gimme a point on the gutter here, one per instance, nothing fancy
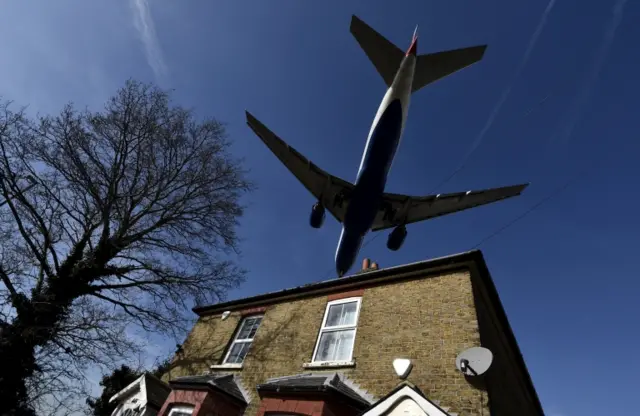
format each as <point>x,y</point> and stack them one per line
<point>323,389</point>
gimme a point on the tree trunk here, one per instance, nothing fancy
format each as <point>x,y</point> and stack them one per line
<point>18,364</point>
<point>34,326</point>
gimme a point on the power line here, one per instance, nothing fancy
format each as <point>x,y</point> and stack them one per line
<point>505,94</point>
<point>370,240</point>
<point>577,109</point>
<point>553,194</point>
<point>547,198</point>
<point>466,158</point>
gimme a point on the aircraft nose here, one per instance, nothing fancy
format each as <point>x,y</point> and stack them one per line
<point>345,258</point>
<point>341,268</point>
<point>347,251</point>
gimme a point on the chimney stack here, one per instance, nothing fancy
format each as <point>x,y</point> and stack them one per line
<point>365,264</point>
<point>368,265</point>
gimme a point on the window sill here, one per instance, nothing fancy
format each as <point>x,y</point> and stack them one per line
<point>226,367</point>
<point>330,364</point>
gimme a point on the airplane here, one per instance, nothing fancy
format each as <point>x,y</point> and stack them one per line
<point>364,206</point>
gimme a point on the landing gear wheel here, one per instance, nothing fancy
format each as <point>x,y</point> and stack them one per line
<point>396,238</point>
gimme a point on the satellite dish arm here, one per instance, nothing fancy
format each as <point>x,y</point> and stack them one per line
<point>464,366</point>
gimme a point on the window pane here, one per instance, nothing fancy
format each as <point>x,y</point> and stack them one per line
<point>249,328</point>
<point>335,346</point>
<point>181,411</point>
<point>238,352</point>
<point>342,314</point>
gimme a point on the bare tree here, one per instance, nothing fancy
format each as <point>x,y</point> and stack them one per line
<point>127,218</point>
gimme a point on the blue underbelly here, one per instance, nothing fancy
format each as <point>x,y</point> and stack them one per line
<point>365,200</point>
<point>383,144</point>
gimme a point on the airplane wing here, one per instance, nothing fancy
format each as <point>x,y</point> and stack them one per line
<point>403,209</point>
<point>329,189</point>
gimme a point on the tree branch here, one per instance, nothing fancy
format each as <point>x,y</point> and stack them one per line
<point>8,284</point>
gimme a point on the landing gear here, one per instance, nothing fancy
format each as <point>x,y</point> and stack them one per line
<point>317,215</point>
<point>396,238</point>
<point>339,199</point>
<point>388,212</point>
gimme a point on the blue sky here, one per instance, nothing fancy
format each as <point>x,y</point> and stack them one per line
<point>564,272</point>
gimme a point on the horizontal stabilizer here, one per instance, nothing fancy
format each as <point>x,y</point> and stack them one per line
<point>384,55</point>
<point>431,67</point>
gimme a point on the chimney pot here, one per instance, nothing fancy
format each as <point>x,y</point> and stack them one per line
<point>374,265</point>
<point>365,264</point>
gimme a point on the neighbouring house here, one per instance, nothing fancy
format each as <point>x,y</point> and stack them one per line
<point>327,348</point>
<point>142,397</point>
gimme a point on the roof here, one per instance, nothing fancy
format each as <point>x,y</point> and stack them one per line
<point>225,383</point>
<point>471,260</point>
<point>155,390</point>
<point>310,382</point>
<point>405,390</point>
<point>358,278</point>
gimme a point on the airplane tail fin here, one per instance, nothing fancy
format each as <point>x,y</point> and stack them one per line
<point>386,56</point>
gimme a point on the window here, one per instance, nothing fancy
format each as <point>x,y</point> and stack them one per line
<point>243,340</point>
<point>338,332</point>
<point>181,411</point>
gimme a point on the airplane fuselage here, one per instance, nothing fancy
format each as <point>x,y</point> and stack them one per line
<point>363,206</point>
<point>380,150</point>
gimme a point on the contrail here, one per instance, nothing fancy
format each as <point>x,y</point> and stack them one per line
<point>505,93</point>
<point>618,10</point>
<point>535,106</point>
<point>587,85</point>
<point>144,25</point>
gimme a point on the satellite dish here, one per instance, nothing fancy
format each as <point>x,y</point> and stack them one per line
<point>474,362</point>
<point>225,314</point>
<point>403,367</point>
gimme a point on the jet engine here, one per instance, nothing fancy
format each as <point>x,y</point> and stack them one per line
<point>317,215</point>
<point>396,238</point>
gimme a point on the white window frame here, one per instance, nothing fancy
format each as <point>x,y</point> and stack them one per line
<point>323,329</point>
<point>242,341</point>
<point>185,409</point>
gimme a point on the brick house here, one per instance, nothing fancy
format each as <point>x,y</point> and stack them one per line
<point>327,348</point>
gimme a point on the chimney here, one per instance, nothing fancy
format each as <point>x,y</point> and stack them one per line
<point>365,264</point>
<point>368,265</point>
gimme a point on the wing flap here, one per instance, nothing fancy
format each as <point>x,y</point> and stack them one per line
<point>404,209</point>
<point>324,186</point>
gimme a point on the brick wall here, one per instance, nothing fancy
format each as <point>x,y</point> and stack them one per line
<point>429,320</point>
<point>439,322</point>
<point>291,405</point>
<point>203,347</point>
<point>506,390</point>
<point>181,397</point>
<point>204,403</point>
